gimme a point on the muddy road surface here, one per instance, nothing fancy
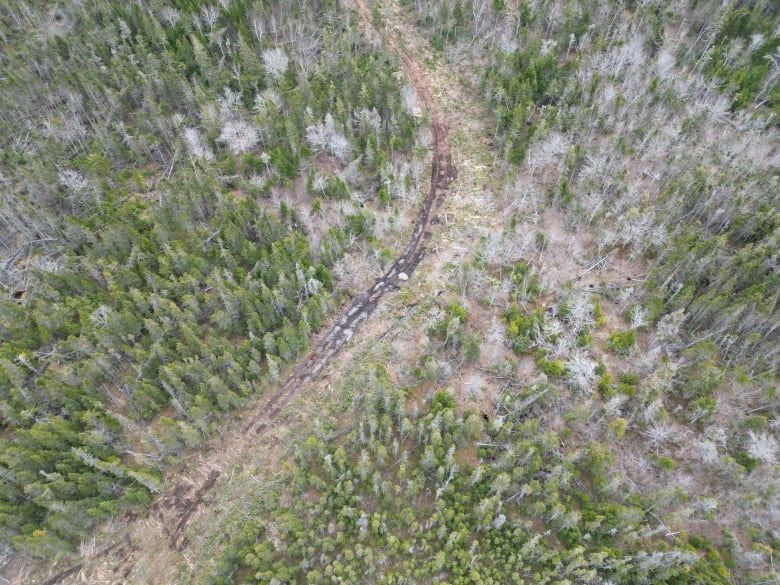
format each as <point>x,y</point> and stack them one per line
<point>443,173</point>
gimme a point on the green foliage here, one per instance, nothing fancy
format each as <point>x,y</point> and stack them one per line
<point>524,80</point>
<point>359,224</point>
<point>584,339</point>
<point>472,348</point>
<point>66,452</point>
<point>703,374</point>
<point>457,310</point>
<point>606,385</point>
<point>663,463</point>
<point>331,188</point>
<point>617,428</point>
<point>701,408</point>
<point>349,509</point>
<point>621,343</point>
<point>522,328</point>
<point>552,368</point>
<point>627,383</point>
<point>525,281</point>
<point>755,422</point>
<point>442,400</point>
<point>746,460</point>
<point>747,75</point>
<point>450,329</point>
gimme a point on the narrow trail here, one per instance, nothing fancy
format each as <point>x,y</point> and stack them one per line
<point>173,511</point>
<point>443,173</point>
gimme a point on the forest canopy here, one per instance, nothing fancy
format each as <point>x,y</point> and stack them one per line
<point>578,384</point>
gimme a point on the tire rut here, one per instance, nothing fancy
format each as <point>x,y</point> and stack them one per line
<point>443,173</point>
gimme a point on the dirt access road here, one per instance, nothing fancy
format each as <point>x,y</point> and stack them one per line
<point>172,512</point>
<point>443,172</point>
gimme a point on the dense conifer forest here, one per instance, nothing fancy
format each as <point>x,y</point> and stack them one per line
<point>577,384</point>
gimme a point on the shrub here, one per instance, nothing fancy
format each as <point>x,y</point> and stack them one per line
<point>442,400</point>
<point>521,328</point>
<point>621,343</point>
<point>551,367</point>
<point>754,423</point>
<point>701,409</point>
<point>606,385</point>
<point>746,461</point>
<point>584,339</point>
<point>522,274</point>
<point>617,428</point>
<point>472,348</point>
<point>663,463</point>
